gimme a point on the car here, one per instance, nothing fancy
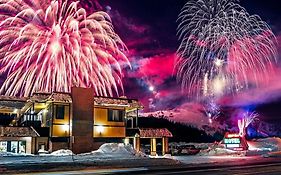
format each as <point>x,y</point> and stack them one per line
<point>187,150</point>
<point>145,149</point>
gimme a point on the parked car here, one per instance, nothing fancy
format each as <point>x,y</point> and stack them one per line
<point>173,150</point>
<point>145,149</point>
<point>187,150</point>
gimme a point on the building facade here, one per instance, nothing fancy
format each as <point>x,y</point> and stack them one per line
<point>78,121</point>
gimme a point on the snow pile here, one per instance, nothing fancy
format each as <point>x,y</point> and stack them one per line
<point>42,152</point>
<point>9,154</point>
<point>62,152</point>
<point>166,156</point>
<point>216,149</point>
<point>115,150</point>
<point>265,144</point>
<point>219,152</point>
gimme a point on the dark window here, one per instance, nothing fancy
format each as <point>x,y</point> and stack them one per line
<point>115,115</point>
<point>59,112</point>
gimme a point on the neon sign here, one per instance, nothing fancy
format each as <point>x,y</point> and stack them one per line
<point>232,141</point>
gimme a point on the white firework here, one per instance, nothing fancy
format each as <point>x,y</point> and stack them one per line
<point>223,48</point>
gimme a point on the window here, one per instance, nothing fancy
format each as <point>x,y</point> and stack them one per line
<point>3,146</point>
<point>59,112</point>
<point>115,115</point>
<point>13,146</point>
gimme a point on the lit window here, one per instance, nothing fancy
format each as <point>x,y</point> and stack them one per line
<point>115,115</point>
<point>59,112</point>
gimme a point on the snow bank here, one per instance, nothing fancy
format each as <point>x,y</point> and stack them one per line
<point>62,152</point>
<point>215,149</point>
<point>115,150</point>
<point>265,144</point>
<point>166,156</point>
<point>220,152</point>
<point>9,154</point>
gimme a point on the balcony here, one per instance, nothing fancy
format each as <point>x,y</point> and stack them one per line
<point>31,120</point>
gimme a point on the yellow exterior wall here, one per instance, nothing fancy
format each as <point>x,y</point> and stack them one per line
<point>109,128</point>
<point>60,127</point>
<point>109,131</point>
<point>66,115</point>
<point>101,118</point>
<point>60,130</point>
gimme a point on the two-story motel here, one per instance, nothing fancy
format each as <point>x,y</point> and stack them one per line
<point>78,121</point>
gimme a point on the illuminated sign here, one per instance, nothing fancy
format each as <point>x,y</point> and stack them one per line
<point>232,141</point>
<point>235,142</point>
<point>232,146</point>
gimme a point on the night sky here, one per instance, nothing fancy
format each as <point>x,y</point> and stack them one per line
<point>149,30</point>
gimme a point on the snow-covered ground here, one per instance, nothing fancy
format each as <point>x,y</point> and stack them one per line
<point>256,147</point>
<point>266,144</point>
<point>113,151</point>
<point>210,153</point>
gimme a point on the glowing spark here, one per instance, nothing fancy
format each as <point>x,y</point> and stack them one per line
<point>218,62</point>
<point>54,45</point>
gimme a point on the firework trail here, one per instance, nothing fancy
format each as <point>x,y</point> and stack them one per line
<point>220,45</point>
<point>54,45</point>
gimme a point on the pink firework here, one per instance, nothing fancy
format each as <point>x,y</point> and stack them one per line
<point>54,45</point>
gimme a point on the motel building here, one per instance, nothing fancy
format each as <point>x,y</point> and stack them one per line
<point>78,121</point>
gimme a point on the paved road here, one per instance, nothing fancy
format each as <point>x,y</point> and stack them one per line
<point>265,169</point>
<point>268,169</point>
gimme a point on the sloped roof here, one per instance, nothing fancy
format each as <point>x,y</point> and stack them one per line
<point>108,101</point>
<point>17,132</point>
<point>155,132</point>
<point>42,97</point>
<point>55,97</point>
<point>60,97</point>
<point>7,102</point>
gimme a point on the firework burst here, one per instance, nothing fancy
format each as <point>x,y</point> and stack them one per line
<point>220,45</point>
<point>54,45</point>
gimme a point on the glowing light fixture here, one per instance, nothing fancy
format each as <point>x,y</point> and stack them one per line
<point>65,127</point>
<point>100,129</point>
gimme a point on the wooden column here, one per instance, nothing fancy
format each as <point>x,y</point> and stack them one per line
<point>137,122</point>
<point>137,143</point>
<point>165,145</point>
<point>153,146</point>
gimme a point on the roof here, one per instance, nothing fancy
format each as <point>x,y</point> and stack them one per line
<point>148,132</point>
<point>42,97</point>
<point>54,97</point>
<point>7,102</point>
<point>155,132</point>
<point>124,102</point>
<point>17,132</point>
